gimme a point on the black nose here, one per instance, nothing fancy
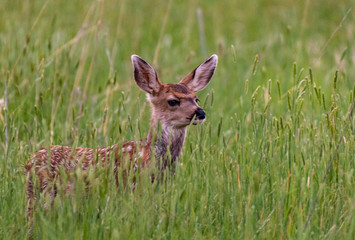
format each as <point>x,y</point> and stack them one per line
<point>200,114</point>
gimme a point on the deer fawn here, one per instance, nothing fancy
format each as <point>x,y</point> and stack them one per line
<point>175,106</point>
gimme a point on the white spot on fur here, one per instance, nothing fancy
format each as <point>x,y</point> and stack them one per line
<point>42,151</point>
<point>128,149</point>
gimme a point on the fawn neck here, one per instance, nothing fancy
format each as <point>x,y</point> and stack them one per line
<point>168,143</point>
<point>168,147</point>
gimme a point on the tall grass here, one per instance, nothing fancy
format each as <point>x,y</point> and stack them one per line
<point>274,160</point>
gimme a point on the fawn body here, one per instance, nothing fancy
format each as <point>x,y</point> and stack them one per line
<point>173,105</point>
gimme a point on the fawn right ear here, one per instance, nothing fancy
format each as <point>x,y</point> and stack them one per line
<point>145,76</point>
<point>199,78</point>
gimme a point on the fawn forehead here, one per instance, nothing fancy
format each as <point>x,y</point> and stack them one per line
<point>179,91</point>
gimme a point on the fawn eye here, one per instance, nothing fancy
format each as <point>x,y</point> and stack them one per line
<point>173,103</point>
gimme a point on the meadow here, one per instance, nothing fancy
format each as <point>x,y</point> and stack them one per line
<point>274,159</point>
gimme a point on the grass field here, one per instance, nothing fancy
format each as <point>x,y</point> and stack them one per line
<point>274,159</point>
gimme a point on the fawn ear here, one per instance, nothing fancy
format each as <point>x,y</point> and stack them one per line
<point>145,76</point>
<point>199,78</point>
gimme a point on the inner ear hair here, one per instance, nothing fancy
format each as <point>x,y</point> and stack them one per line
<point>145,75</point>
<point>199,78</point>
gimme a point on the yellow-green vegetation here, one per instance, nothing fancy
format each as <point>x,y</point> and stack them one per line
<point>274,159</point>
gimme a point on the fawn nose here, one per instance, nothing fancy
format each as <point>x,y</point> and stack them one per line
<point>200,114</point>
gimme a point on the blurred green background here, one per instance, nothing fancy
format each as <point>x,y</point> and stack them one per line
<point>277,107</point>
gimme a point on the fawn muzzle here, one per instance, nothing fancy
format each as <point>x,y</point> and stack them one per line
<point>199,116</point>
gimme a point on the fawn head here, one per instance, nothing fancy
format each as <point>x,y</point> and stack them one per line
<point>175,105</point>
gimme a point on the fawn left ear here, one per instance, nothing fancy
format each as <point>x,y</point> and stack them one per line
<point>199,78</point>
<point>145,76</point>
